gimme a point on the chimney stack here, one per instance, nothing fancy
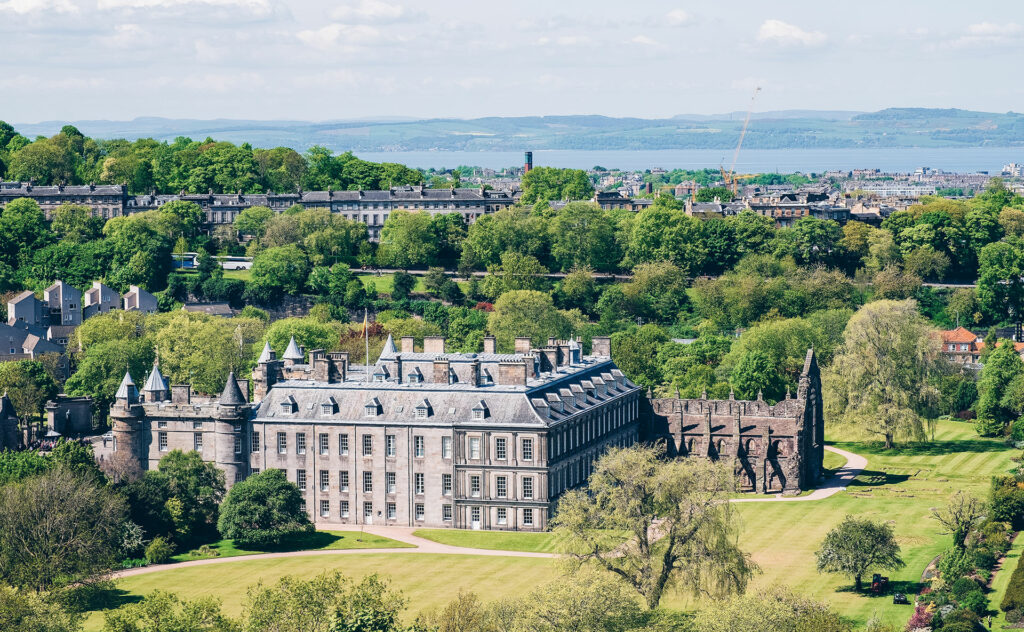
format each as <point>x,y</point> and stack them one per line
<point>442,371</point>
<point>490,345</point>
<point>527,162</point>
<point>512,373</point>
<point>601,346</point>
<point>408,344</point>
<point>433,344</point>
<point>522,344</point>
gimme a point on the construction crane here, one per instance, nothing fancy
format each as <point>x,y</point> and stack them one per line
<point>730,178</point>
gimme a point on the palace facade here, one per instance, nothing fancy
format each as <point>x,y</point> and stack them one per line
<point>420,438</point>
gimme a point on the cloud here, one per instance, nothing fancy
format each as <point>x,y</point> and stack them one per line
<point>643,40</point>
<point>990,34</point>
<point>784,34</point>
<point>260,6</point>
<point>372,11</point>
<point>678,17</point>
<point>344,35</point>
<point>22,7</point>
<point>563,40</point>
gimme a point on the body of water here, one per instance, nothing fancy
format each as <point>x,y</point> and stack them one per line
<point>964,160</point>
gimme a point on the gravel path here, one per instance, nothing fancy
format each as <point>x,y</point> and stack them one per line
<point>855,464</point>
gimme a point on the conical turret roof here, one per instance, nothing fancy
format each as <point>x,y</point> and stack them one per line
<point>266,354</point>
<point>155,381</point>
<point>389,349</point>
<point>293,352</point>
<point>7,408</point>
<point>232,393</point>
<point>127,388</point>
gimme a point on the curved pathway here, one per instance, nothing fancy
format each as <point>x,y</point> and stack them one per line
<point>855,464</point>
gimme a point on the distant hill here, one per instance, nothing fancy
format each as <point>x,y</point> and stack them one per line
<point>788,129</point>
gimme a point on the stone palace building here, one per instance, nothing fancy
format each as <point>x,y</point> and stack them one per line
<point>432,438</point>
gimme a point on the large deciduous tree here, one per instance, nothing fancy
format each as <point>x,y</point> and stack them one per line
<point>407,240</point>
<point>583,235</point>
<point>262,510</point>
<point>1001,280</point>
<point>547,184</point>
<point>57,528</point>
<point>526,313</point>
<point>858,546</point>
<point>881,379</point>
<point>655,524</point>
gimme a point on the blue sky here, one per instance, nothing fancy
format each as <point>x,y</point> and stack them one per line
<point>318,60</point>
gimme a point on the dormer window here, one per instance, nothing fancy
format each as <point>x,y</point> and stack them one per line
<point>423,410</point>
<point>329,407</point>
<point>415,376</point>
<point>480,411</point>
<point>373,407</point>
<point>381,374</point>
<point>288,405</point>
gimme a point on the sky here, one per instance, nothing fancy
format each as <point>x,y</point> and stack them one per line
<point>346,59</point>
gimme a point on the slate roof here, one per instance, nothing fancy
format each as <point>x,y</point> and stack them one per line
<point>155,381</point>
<point>266,354</point>
<point>293,352</point>
<point>232,393</point>
<point>127,388</point>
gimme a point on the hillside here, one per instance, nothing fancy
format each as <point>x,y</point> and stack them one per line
<point>794,129</point>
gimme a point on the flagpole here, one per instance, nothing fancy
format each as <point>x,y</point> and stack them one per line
<point>366,336</point>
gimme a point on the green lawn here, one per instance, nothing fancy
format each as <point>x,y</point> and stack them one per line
<point>899,486</point>
<point>427,580</point>
<point>833,461</point>
<point>1002,580</point>
<point>317,541</point>
<point>385,283</point>
<point>244,275</point>
<point>501,540</point>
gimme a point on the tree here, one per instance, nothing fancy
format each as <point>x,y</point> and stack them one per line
<point>516,272</point>
<point>22,611</point>
<point>1002,366</point>
<point>161,611</point>
<point>56,529</point>
<point>308,333</point>
<point>588,601</point>
<point>777,609</point>
<point>253,220</point>
<point>402,285</point>
<point>407,240</point>
<point>578,289</point>
<point>755,375</point>
<point>75,223</point>
<point>546,184</point>
<point>281,270</point>
<point>329,602</point>
<point>196,487</point>
<point>959,517</point>
<point>882,376</point>
<point>583,235</point>
<point>857,547</point>
<point>962,305</point>
<point>712,194</point>
<point>525,313</point>
<point>661,234</point>
<point>1001,280</point>
<point>508,230</point>
<point>636,353</point>
<point>262,510</point>
<point>29,386</point>
<point>657,292</point>
<point>632,494</point>
<point>23,229</point>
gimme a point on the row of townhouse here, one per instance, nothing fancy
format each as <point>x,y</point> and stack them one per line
<point>369,207</point>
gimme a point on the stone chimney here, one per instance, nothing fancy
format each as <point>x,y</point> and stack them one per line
<point>490,344</point>
<point>433,344</point>
<point>474,372</point>
<point>339,366</point>
<point>601,347</point>
<point>564,359</point>
<point>512,373</point>
<point>442,371</point>
<point>181,394</point>
<point>522,344</point>
<point>549,359</point>
<point>408,344</point>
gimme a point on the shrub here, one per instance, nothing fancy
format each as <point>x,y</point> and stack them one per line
<point>1017,430</point>
<point>976,602</point>
<point>984,559</point>
<point>263,509</point>
<point>962,587</point>
<point>1014,597</point>
<point>1014,616</point>
<point>955,564</point>
<point>1007,500</point>
<point>159,551</point>
<point>920,619</point>
<point>962,620</point>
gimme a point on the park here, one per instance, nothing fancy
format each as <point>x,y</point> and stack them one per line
<point>899,486</point>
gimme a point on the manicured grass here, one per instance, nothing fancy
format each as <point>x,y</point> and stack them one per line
<point>501,540</point>
<point>427,580</point>
<point>898,486</point>
<point>316,541</point>
<point>385,283</point>
<point>1002,580</point>
<point>833,461</point>
<point>244,275</point>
